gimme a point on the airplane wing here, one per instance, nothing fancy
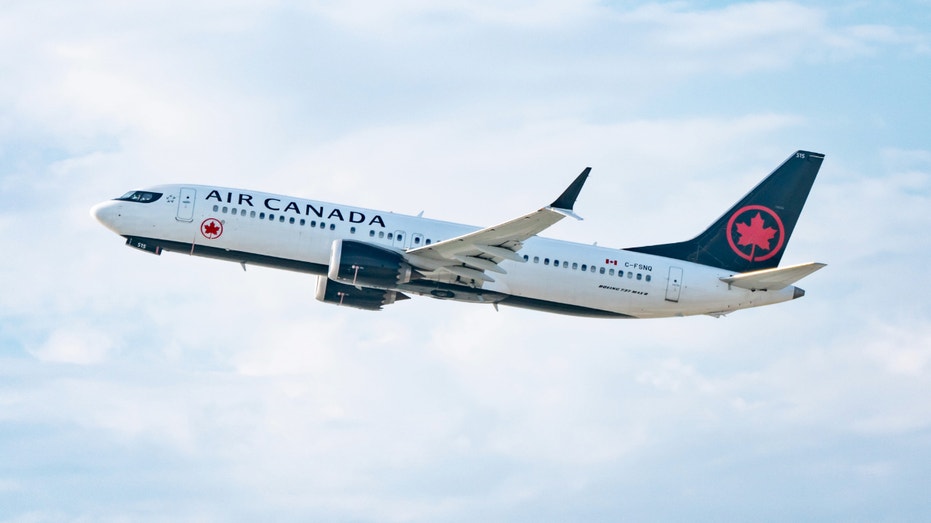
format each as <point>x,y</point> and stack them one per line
<point>471,255</point>
<point>772,279</point>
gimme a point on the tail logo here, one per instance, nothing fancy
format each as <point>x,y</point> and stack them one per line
<point>754,228</point>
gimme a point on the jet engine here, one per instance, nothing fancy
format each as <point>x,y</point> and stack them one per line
<point>365,265</point>
<point>329,291</point>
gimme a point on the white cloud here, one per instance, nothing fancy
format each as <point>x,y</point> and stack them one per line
<point>730,27</point>
<point>79,345</point>
<point>902,352</point>
<point>397,18</point>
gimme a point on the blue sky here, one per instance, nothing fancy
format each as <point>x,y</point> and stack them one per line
<point>143,388</point>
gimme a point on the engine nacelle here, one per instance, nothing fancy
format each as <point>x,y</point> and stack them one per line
<point>365,265</point>
<point>329,291</point>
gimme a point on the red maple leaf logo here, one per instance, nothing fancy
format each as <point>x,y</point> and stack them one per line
<point>211,228</point>
<point>759,232</point>
<point>755,234</point>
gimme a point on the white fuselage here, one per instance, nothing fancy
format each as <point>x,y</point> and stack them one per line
<point>297,234</point>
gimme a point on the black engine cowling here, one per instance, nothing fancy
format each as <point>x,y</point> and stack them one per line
<point>329,291</point>
<point>365,265</point>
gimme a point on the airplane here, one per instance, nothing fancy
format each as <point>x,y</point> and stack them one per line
<point>368,259</point>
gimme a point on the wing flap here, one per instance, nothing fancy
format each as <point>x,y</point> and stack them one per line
<point>480,263</point>
<point>772,279</point>
<point>467,273</point>
<point>499,252</point>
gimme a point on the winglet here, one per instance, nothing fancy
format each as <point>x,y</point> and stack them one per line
<point>567,199</point>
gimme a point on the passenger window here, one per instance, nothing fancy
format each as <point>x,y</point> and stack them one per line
<point>584,267</point>
<point>234,211</point>
<point>322,225</point>
<point>352,230</point>
<point>281,218</point>
<point>261,215</point>
<point>216,208</point>
<point>400,237</point>
<point>271,217</point>
<point>565,265</point>
<point>610,272</point>
<point>526,258</point>
<point>649,277</point>
<point>429,241</point>
<point>313,223</point>
<point>303,221</point>
<point>639,276</point>
<point>381,234</point>
<point>291,219</point>
<point>332,226</point>
<point>252,214</point>
<point>372,233</point>
<point>593,269</point>
<point>602,270</point>
<point>575,266</point>
<point>630,275</point>
<point>555,263</point>
<point>417,240</point>
<point>546,261</point>
<point>242,212</point>
<point>390,235</point>
<point>225,209</point>
<point>536,259</point>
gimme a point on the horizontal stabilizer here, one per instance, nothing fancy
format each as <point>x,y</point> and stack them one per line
<point>772,279</point>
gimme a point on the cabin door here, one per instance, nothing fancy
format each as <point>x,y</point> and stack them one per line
<point>674,285</point>
<point>186,205</point>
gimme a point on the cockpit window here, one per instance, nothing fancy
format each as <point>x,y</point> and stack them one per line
<point>140,196</point>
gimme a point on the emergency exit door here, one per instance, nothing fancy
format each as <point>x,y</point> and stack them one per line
<point>674,285</point>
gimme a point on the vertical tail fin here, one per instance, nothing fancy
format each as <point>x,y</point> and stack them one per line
<point>754,233</point>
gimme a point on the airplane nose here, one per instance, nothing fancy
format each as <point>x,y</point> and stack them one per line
<point>106,213</point>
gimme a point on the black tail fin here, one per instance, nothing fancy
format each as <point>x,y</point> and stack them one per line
<point>754,233</point>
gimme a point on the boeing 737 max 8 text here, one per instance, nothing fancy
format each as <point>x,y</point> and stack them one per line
<point>367,259</point>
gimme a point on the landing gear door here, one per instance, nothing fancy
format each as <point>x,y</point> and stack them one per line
<point>674,285</point>
<point>186,205</point>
